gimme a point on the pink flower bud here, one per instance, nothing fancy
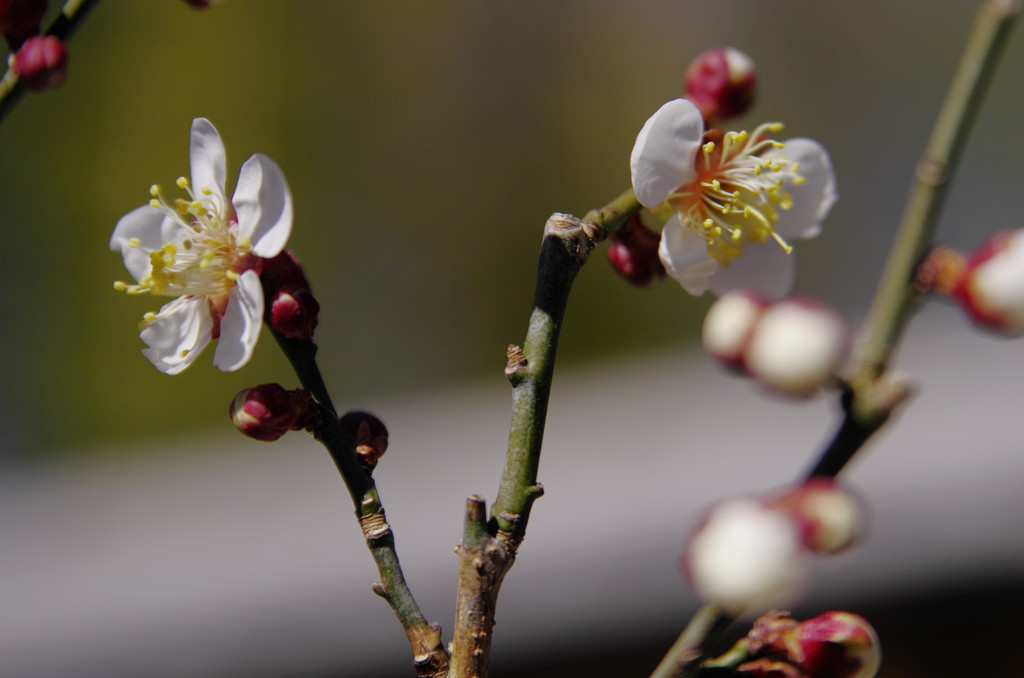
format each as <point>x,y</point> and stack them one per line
<point>291,308</point>
<point>992,287</point>
<point>633,252</point>
<point>721,83</point>
<point>20,19</point>
<point>198,4</point>
<point>796,346</point>
<point>729,324</point>
<point>835,645</point>
<point>268,411</point>
<point>370,434</point>
<point>769,668</point>
<point>744,554</point>
<point>829,516</point>
<point>41,62</point>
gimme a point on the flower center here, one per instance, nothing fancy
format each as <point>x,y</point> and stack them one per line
<point>738,192</point>
<point>204,260</point>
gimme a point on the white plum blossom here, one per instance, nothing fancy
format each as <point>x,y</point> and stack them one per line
<point>735,199</point>
<point>207,252</point>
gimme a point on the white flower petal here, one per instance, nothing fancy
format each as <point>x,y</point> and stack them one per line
<point>685,256</point>
<point>764,267</point>
<point>136,235</point>
<point>180,331</point>
<point>208,159</point>
<point>240,326</point>
<point>263,203</point>
<point>662,157</point>
<point>814,197</point>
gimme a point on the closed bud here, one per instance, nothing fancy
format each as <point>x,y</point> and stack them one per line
<point>744,555</point>
<point>20,19</point>
<point>721,82</point>
<point>268,411</point>
<point>633,252</point>
<point>829,516</point>
<point>991,289</point>
<point>291,308</point>
<point>835,645</point>
<point>796,346</point>
<point>729,324</point>
<point>370,435</point>
<point>41,62</point>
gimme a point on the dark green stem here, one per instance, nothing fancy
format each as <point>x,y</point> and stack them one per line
<point>64,26</point>
<point>430,657</point>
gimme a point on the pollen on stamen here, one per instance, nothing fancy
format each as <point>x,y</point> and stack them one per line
<point>154,190</point>
<point>231,275</point>
<point>120,286</point>
<point>708,148</point>
<point>207,191</point>
<point>133,242</point>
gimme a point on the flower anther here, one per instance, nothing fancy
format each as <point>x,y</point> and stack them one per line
<point>733,200</point>
<point>207,251</point>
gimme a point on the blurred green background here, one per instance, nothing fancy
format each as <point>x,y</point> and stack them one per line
<point>425,144</point>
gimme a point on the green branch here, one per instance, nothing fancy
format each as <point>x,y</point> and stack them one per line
<point>871,397</point>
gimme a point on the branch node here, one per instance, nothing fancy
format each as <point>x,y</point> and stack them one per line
<point>379,589</point>
<point>579,236</point>
<point>375,525</point>
<point>516,363</point>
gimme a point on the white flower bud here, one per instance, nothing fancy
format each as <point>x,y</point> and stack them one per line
<point>829,516</point>
<point>745,555</point>
<point>992,289</point>
<point>729,323</point>
<point>796,346</point>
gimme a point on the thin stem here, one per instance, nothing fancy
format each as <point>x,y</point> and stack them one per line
<point>894,298</point>
<point>429,655</point>
<point>683,658</point>
<point>64,26</point>
<point>871,398</point>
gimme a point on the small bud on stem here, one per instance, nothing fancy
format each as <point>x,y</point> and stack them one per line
<point>268,411</point>
<point>41,62</point>
<point>721,83</point>
<point>370,434</point>
<point>991,289</point>
<point>633,252</point>
<point>291,308</point>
